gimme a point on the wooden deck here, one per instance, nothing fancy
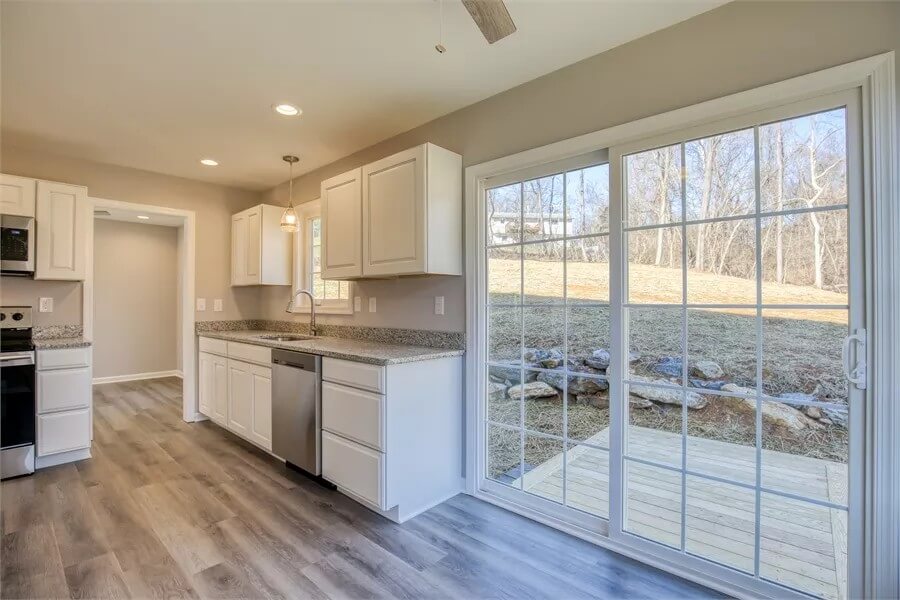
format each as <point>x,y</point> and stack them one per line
<point>802,545</point>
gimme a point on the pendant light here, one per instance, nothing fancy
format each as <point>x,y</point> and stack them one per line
<point>289,221</point>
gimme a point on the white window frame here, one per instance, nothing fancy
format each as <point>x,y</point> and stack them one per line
<point>303,269</point>
<point>874,79</point>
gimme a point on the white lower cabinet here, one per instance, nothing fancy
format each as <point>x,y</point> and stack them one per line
<point>399,451</point>
<point>63,405</point>
<point>237,394</point>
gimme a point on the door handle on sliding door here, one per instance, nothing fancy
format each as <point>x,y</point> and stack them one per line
<point>857,373</point>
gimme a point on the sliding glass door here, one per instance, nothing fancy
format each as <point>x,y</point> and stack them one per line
<point>672,345</point>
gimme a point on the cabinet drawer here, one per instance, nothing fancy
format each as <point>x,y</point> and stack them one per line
<point>63,431</point>
<point>254,354</point>
<point>63,358</point>
<point>355,468</point>
<point>214,346</point>
<point>360,375</point>
<point>353,413</point>
<point>63,389</point>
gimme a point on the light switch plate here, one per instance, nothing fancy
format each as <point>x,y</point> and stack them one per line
<point>217,305</point>
<point>201,304</point>
<point>46,305</point>
<point>357,304</point>
<point>372,304</point>
<point>438,305</point>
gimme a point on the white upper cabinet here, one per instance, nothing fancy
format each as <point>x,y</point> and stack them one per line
<point>260,251</point>
<point>407,213</point>
<point>62,216</point>
<point>342,226</point>
<point>17,195</point>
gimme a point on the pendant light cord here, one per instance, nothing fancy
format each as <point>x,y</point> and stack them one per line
<point>291,184</point>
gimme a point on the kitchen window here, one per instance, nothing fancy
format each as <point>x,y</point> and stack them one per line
<point>332,297</point>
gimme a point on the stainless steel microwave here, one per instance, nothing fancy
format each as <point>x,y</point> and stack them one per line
<point>17,246</point>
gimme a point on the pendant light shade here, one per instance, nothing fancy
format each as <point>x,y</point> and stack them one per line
<point>289,221</point>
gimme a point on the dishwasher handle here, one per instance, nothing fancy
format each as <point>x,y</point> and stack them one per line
<point>297,360</point>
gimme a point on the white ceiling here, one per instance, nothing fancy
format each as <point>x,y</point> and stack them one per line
<point>159,85</point>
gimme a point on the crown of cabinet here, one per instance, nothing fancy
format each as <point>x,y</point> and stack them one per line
<point>401,215</point>
<point>260,250</point>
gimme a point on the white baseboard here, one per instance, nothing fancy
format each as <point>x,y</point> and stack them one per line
<point>137,376</point>
<point>52,460</point>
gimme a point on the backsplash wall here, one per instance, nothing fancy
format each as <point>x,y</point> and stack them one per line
<point>19,291</point>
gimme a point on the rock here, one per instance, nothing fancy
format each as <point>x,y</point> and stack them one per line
<point>826,421</point>
<point>797,398</point>
<point>530,391</point>
<point>584,385</point>
<point>510,375</point>
<point>638,402</point>
<point>599,359</point>
<point>776,412</point>
<point>838,416</point>
<point>813,412</point>
<point>665,395</point>
<point>707,385</point>
<point>668,365</point>
<point>595,400</point>
<point>548,359</point>
<point>496,391</point>
<point>707,369</point>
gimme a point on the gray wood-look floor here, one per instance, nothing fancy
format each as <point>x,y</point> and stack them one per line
<point>167,509</point>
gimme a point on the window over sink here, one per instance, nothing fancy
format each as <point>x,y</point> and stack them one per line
<point>332,297</point>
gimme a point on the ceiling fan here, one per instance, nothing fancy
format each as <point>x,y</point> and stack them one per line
<point>491,17</point>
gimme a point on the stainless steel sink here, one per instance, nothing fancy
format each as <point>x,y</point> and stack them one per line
<point>285,338</point>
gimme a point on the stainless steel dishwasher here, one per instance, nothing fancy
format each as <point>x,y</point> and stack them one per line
<point>297,409</point>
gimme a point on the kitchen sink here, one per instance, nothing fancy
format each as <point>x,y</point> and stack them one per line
<point>285,338</point>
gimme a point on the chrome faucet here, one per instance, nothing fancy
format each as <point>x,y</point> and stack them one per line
<point>312,310</point>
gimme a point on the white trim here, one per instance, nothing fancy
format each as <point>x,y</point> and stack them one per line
<point>52,460</point>
<point>137,377</point>
<point>881,176</point>
<point>187,267</point>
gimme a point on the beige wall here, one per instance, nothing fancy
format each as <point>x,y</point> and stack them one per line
<point>135,298</point>
<point>16,291</point>
<point>213,205</point>
<point>739,46</point>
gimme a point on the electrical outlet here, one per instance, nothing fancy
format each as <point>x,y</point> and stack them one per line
<point>217,305</point>
<point>438,305</point>
<point>357,304</point>
<point>46,305</point>
<point>372,304</point>
<point>201,304</point>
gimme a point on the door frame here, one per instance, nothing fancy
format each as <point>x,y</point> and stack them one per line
<point>187,277</point>
<point>874,78</point>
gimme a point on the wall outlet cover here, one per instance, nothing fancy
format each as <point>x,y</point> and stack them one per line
<point>46,305</point>
<point>201,304</point>
<point>357,304</point>
<point>217,305</point>
<point>372,305</point>
<point>438,305</point>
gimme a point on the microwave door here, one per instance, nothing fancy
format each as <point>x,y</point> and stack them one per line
<point>16,245</point>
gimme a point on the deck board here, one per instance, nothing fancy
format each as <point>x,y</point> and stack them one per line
<point>802,545</point>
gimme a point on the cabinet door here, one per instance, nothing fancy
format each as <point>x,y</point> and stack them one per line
<point>17,195</point>
<point>63,431</point>
<point>62,214</point>
<point>240,398</point>
<point>220,391</point>
<point>63,389</point>
<point>394,214</point>
<point>342,226</point>
<point>261,431</point>
<point>253,255</point>
<point>239,249</point>
<point>206,387</point>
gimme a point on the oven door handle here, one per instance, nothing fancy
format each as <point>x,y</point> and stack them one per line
<point>17,360</point>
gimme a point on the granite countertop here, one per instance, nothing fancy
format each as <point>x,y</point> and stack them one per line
<point>375,353</point>
<point>61,342</point>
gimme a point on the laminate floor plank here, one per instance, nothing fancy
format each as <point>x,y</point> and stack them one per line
<point>168,509</point>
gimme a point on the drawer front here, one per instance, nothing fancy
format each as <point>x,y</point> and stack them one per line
<point>63,358</point>
<point>63,431</point>
<point>214,346</point>
<point>247,352</point>
<point>354,414</point>
<point>63,389</point>
<point>353,467</point>
<point>359,375</point>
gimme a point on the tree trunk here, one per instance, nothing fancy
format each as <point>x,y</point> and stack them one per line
<point>817,249</point>
<point>708,162</point>
<point>663,202</point>
<point>779,204</point>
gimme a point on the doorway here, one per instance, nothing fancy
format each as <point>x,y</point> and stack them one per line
<point>181,222</point>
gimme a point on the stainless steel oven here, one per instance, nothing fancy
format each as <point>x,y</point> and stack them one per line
<point>17,246</point>
<point>17,393</point>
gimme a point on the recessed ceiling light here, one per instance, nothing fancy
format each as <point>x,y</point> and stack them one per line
<point>143,217</point>
<point>288,110</point>
<point>209,162</point>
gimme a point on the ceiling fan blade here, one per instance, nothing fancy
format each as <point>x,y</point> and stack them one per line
<point>491,17</point>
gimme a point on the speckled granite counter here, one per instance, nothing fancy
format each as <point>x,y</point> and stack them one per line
<point>59,343</point>
<point>375,353</point>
